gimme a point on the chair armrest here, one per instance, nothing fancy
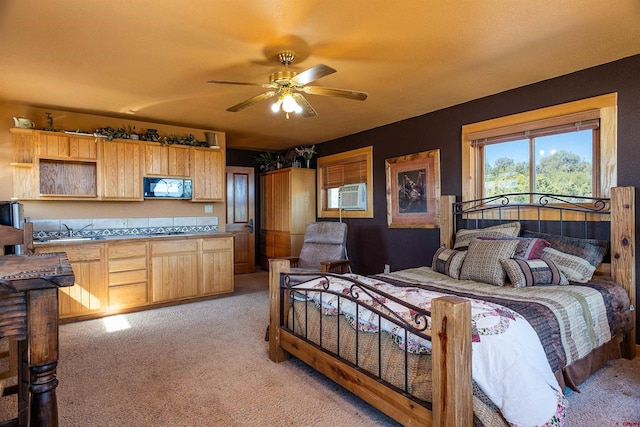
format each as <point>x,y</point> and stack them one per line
<point>340,266</point>
<point>293,260</point>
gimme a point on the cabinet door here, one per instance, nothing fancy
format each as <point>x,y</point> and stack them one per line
<point>179,162</point>
<point>156,160</point>
<point>275,193</point>
<point>121,170</point>
<point>25,165</point>
<point>217,265</point>
<point>167,160</point>
<point>207,174</point>
<point>56,146</point>
<point>174,269</point>
<point>89,293</point>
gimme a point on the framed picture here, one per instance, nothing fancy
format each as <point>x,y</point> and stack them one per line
<point>413,190</point>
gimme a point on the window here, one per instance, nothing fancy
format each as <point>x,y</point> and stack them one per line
<point>565,149</point>
<point>351,167</point>
<point>548,158</point>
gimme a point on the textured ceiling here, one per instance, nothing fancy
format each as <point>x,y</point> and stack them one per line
<point>151,59</point>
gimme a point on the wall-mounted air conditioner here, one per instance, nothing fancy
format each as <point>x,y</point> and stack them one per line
<point>353,197</point>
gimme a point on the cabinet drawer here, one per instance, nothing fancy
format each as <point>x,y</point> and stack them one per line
<point>127,264</point>
<point>82,252</point>
<point>128,295</point>
<point>174,247</point>
<point>127,250</point>
<point>127,277</point>
<point>219,243</point>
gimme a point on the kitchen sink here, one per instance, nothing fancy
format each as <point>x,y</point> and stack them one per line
<point>72,239</point>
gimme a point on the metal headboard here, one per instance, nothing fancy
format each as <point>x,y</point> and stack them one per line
<point>572,215</point>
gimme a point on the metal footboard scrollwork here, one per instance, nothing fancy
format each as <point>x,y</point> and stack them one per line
<point>366,309</point>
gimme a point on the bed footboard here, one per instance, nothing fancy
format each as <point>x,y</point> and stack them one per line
<point>451,358</point>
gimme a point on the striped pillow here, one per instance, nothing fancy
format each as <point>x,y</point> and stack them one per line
<point>482,262</point>
<point>535,272</point>
<point>576,269</point>
<point>464,236</point>
<point>448,261</point>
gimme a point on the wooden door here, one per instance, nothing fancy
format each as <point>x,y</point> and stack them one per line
<point>241,217</point>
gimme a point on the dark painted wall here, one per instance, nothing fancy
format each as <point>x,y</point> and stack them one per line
<point>372,243</point>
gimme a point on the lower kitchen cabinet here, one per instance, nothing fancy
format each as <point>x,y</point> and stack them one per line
<point>174,270</point>
<point>88,295</point>
<point>217,265</point>
<point>126,274</point>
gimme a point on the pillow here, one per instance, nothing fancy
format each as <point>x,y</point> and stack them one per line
<point>448,261</point>
<point>482,262</point>
<point>575,268</point>
<point>528,247</point>
<point>464,236</point>
<point>590,249</point>
<point>535,272</point>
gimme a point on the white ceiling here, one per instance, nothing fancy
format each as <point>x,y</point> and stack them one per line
<point>151,59</point>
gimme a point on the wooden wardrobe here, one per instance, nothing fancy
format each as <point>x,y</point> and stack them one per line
<point>287,205</point>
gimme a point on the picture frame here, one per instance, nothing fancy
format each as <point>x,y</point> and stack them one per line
<point>413,190</point>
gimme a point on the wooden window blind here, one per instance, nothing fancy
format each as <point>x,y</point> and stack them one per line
<point>351,171</point>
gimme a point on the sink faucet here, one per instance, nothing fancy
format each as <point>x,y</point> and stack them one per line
<point>88,225</point>
<point>69,230</point>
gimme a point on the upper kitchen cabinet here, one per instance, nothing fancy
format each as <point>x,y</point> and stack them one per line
<point>49,165</point>
<point>167,160</point>
<point>207,173</point>
<point>54,145</point>
<point>122,163</point>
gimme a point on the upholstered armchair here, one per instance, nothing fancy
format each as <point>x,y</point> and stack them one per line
<point>324,249</point>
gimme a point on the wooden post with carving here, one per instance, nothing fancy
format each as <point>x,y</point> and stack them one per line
<point>623,253</point>
<point>451,358</point>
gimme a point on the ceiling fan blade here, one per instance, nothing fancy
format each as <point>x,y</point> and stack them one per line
<point>307,109</point>
<point>251,101</point>
<point>313,73</point>
<point>225,82</point>
<point>327,91</point>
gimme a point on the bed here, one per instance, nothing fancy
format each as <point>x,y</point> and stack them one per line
<point>539,288</point>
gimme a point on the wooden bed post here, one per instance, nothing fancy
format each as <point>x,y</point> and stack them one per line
<point>446,220</point>
<point>451,358</point>
<point>623,253</point>
<point>276,266</point>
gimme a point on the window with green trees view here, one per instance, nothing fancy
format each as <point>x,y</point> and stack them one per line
<point>558,163</point>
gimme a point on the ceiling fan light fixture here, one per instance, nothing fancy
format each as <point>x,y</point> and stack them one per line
<point>275,107</point>
<point>289,105</point>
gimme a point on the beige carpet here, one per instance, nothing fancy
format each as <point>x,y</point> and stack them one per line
<point>206,364</point>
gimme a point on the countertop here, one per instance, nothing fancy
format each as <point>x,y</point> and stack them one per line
<point>111,238</point>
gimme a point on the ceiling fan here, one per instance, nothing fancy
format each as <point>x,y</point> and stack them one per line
<point>288,86</point>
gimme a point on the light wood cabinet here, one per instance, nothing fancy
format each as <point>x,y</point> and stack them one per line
<point>174,269</point>
<point>54,145</point>
<point>55,166</point>
<point>208,174</point>
<point>128,274</point>
<point>51,165</point>
<point>89,293</point>
<point>121,170</point>
<point>288,198</point>
<point>167,160</point>
<point>217,266</point>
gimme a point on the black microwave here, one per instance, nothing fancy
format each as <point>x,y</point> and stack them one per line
<point>167,188</point>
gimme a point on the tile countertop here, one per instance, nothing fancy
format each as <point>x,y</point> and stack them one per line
<point>153,236</point>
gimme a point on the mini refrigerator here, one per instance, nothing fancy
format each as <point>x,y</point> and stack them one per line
<point>12,213</point>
